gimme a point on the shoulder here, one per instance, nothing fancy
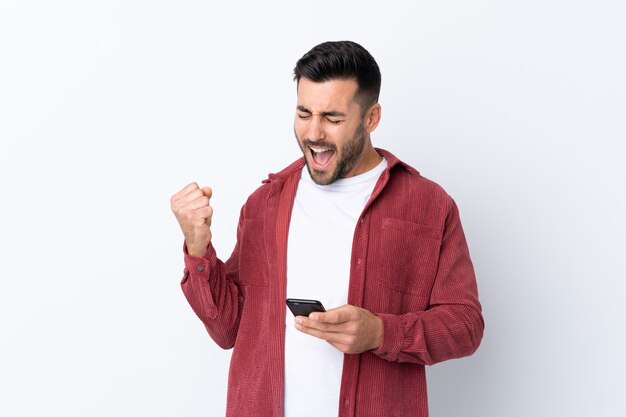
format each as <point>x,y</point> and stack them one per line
<point>408,181</point>
<point>416,181</point>
<point>272,185</point>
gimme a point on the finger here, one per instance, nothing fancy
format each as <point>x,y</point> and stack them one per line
<point>320,334</point>
<point>197,203</point>
<point>336,315</point>
<point>205,213</point>
<point>207,191</point>
<point>189,187</point>
<point>321,326</point>
<point>190,196</point>
<point>186,190</point>
<point>199,217</point>
<point>182,193</point>
<point>343,342</point>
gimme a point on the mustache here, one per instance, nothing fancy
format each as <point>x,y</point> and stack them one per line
<point>321,143</point>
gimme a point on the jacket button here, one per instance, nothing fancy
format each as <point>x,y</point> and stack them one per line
<point>200,268</point>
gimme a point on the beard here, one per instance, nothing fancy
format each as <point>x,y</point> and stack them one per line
<point>346,156</point>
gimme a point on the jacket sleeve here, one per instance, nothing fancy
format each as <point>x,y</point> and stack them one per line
<point>213,291</point>
<point>452,326</point>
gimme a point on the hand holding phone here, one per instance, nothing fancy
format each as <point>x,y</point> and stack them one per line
<point>348,328</point>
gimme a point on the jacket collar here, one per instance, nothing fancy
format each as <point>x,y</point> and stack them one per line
<point>393,161</point>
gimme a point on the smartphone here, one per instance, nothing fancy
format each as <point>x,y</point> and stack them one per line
<point>300,307</point>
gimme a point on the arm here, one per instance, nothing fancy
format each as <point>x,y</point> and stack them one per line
<point>213,292</point>
<point>452,326</point>
<point>210,286</point>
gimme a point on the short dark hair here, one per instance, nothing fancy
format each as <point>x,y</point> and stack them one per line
<point>342,60</point>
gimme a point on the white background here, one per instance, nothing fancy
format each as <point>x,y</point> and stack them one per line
<point>107,108</point>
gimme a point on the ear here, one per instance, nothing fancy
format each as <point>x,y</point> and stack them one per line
<point>372,118</point>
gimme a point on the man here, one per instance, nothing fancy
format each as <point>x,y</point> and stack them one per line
<point>351,225</point>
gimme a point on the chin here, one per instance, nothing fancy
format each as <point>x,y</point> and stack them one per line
<point>324,177</point>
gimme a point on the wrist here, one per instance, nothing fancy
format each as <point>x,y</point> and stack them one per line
<point>196,250</point>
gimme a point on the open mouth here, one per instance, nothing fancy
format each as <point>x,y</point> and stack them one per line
<point>321,156</point>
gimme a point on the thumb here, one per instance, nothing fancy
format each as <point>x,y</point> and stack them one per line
<point>207,191</point>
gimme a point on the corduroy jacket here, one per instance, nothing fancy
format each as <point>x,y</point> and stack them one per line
<point>410,266</point>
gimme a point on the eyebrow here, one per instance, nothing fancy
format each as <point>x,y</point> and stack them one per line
<point>333,113</point>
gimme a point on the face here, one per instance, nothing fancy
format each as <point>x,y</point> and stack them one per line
<point>331,130</point>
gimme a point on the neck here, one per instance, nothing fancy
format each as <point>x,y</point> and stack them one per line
<point>368,160</point>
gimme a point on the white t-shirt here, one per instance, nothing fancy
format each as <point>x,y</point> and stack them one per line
<point>319,248</point>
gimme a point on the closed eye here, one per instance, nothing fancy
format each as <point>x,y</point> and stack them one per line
<point>335,121</point>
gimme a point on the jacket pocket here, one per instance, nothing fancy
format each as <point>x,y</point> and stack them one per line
<point>410,256</point>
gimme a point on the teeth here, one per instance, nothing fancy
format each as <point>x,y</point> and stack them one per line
<point>318,150</point>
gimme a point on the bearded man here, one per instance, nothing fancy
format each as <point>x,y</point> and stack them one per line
<point>352,226</point>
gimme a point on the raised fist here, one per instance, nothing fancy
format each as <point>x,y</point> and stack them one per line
<point>192,209</point>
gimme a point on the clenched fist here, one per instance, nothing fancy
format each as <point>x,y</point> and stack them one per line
<point>193,212</point>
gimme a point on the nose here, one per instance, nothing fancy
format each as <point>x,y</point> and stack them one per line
<point>315,129</point>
